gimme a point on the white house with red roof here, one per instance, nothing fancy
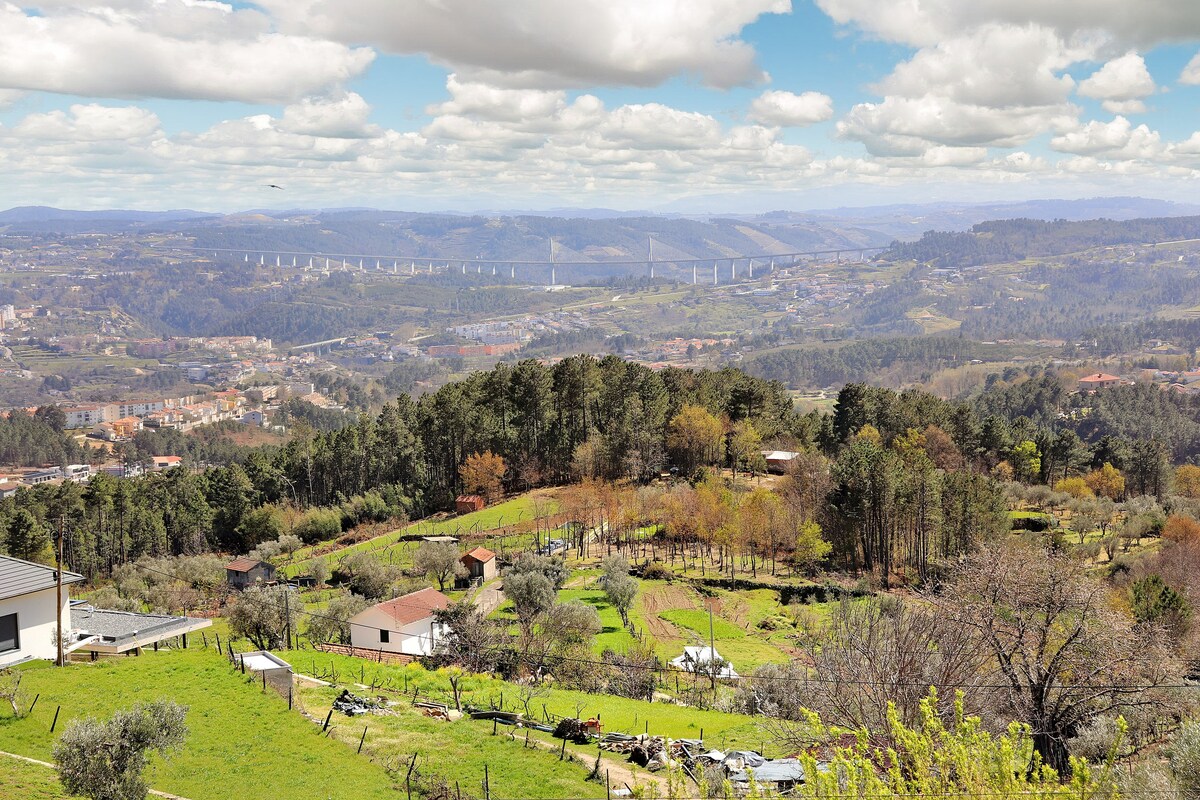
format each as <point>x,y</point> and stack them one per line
<point>1098,380</point>
<point>405,625</point>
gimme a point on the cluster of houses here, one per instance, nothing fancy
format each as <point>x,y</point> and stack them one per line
<point>12,480</point>
<point>120,421</point>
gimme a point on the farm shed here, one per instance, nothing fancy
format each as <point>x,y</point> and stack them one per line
<point>268,666</point>
<point>780,775</point>
<point>480,563</point>
<point>466,503</point>
<point>244,572</point>
<point>778,461</point>
<point>697,659</point>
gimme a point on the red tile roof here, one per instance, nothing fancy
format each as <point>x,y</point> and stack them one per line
<point>414,606</point>
<point>244,564</point>
<point>481,554</point>
<point>1099,377</point>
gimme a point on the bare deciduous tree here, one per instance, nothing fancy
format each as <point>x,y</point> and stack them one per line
<point>1060,650</point>
<point>870,653</point>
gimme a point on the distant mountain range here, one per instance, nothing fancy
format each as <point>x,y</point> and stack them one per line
<point>593,234</point>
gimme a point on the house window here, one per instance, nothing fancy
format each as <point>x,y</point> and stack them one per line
<point>385,636</point>
<point>10,639</point>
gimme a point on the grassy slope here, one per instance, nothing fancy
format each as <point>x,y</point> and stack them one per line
<point>242,742</point>
<point>458,751</point>
<point>391,549</point>
<point>21,780</point>
<point>618,713</point>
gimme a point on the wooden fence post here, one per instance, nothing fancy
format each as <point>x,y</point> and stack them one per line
<point>52,724</point>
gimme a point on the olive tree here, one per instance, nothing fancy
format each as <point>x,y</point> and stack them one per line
<point>264,615</point>
<point>105,760</point>
<point>438,560</point>
<point>332,624</point>
<point>619,587</point>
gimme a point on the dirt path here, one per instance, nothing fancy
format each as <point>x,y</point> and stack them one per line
<point>620,773</point>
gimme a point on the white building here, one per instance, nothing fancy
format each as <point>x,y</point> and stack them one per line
<point>79,473</point>
<point>28,617</point>
<point>404,625</point>
<point>702,660</point>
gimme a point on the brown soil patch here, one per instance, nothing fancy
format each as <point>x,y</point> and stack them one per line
<point>665,597</point>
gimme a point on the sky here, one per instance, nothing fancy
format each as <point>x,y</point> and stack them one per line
<point>660,105</point>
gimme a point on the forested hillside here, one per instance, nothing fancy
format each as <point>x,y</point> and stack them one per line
<point>615,420</point>
<point>1015,239</point>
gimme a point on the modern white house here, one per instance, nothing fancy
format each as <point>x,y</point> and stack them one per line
<point>404,625</point>
<point>28,619</point>
<point>28,609</point>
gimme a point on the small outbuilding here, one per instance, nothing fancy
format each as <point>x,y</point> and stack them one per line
<point>244,572</point>
<point>468,503</point>
<point>269,668</point>
<point>699,659</point>
<point>105,632</point>
<point>778,461</point>
<point>480,563</point>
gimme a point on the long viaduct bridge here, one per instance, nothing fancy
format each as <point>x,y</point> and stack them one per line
<point>735,268</point>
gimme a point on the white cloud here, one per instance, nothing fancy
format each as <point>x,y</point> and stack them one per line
<point>472,98</point>
<point>1191,72</point>
<point>89,123</point>
<point>786,109</point>
<point>998,86</point>
<point>342,117</point>
<point>165,48</point>
<point>534,43</point>
<point>995,65</point>
<point>1118,140</point>
<point>926,22</point>
<point>1122,84</point>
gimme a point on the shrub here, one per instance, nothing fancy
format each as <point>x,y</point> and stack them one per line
<point>318,525</point>
<point>1075,487</point>
<point>657,571</point>
<point>1037,524</point>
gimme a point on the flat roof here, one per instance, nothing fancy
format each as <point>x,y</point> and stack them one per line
<point>261,661</point>
<point>125,630</point>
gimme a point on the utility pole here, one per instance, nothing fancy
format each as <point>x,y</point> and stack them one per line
<point>712,647</point>
<point>59,657</point>
<point>287,614</point>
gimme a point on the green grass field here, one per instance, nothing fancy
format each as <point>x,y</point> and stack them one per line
<point>457,751</point>
<point>242,742</point>
<point>617,713</point>
<point>391,549</point>
<point>21,780</point>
